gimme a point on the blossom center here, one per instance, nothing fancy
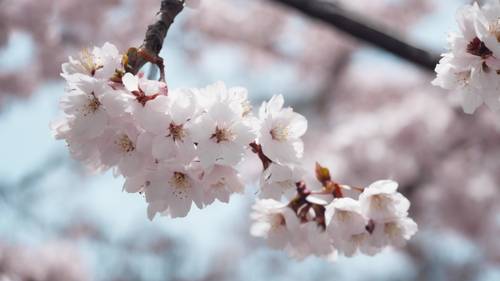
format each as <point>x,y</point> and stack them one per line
<point>392,229</point>
<point>222,134</point>
<point>125,144</point>
<point>342,215</point>
<point>477,47</point>
<point>357,239</point>
<point>176,131</point>
<point>220,184</point>
<point>463,78</point>
<point>88,62</point>
<point>379,202</point>
<point>92,105</point>
<point>180,181</point>
<point>279,133</point>
<point>247,107</point>
<point>494,29</point>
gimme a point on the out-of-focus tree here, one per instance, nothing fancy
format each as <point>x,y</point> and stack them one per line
<point>58,29</point>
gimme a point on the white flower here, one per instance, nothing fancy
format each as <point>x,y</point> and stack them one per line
<point>169,119</point>
<point>281,131</point>
<point>470,66</point>
<point>220,183</point>
<point>222,132</point>
<point>347,226</point>
<point>312,239</point>
<point>275,222</point>
<point>101,63</point>
<point>174,187</point>
<point>487,25</point>
<point>279,180</point>
<point>395,232</point>
<point>87,117</point>
<point>137,183</point>
<point>345,217</point>
<point>236,96</point>
<point>139,92</point>
<point>122,147</point>
<point>381,202</point>
<point>81,149</point>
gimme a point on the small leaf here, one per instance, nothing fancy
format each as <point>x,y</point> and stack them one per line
<point>322,174</point>
<point>130,58</point>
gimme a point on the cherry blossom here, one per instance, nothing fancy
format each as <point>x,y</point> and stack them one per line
<point>174,187</point>
<point>121,147</point>
<point>281,131</point>
<point>279,180</point>
<point>220,183</point>
<point>471,64</point>
<point>170,119</point>
<point>380,201</point>
<point>84,104</point>
<point>138,92</point>
<point>101,63</point>
<point>395,232</point>
<point>222,133</point>
<point>184,147</point>
<point>275,222</point>
<point>347,226</point>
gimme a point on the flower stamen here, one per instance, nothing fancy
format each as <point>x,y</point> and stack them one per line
<point>125,144</point>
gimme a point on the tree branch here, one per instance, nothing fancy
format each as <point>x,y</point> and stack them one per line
<point>153,41</point>
<point>359,28</point>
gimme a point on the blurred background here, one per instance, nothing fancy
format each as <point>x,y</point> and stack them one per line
<point>371,116</point>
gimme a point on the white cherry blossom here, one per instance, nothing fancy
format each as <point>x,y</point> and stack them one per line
<point>184,147</point>
<point>174,187</point>
<point>222,133</point>
<point>487,25</point>
<point>87,117</point>
<point>139,92</point>
<point>101,63</point>
<point>280,132</point>
<point>347,226</point>
<point>221,183</point>
<point>470,65</point>
<point>169,119</point>
<point>315,241</point>
<point>279,180</point>
<point>237,97</point>
<point>275,222</point>
<point>121,148</point>
<point>380,201</point>
<point>81,149</point>
<point>395,232</point>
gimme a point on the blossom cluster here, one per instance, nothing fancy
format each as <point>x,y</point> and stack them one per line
<point>183,146</point>
<point>339,219</point>
<point>472,64</point>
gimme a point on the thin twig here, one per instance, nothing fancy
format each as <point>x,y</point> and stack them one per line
<point>153,42</point>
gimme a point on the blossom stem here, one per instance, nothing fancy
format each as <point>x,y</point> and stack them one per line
<point>257,149</point>
<point>155,35</point>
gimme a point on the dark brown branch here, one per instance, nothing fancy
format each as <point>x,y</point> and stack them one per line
<point>153,42</point>
<point>359,28</point>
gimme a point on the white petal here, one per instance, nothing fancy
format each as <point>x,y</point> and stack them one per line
<point>131,82</point>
